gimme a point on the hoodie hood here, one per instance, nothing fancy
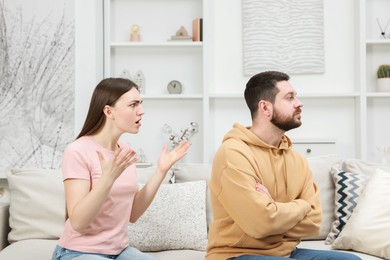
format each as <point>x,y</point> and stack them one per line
<point>243,133</point>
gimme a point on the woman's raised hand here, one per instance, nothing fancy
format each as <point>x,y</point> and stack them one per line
<point>167,159</point>
<point>114,166</point>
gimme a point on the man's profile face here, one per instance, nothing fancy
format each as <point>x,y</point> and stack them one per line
<point>287,108</point>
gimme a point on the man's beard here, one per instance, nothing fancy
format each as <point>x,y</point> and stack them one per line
<point>284,123</point>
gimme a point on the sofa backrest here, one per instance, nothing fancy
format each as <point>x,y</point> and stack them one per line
<point>320,167</point>
<point>37,201</point>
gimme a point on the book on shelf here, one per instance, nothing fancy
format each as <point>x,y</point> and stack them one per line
<point>197,30</point>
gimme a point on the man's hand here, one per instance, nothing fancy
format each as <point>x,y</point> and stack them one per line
<point>261,188</point>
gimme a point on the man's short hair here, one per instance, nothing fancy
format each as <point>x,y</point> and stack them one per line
<point>262,86</point>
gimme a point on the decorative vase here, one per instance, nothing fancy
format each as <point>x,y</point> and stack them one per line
<point>383,85</point>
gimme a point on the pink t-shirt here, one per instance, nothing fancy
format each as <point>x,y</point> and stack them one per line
<point>107,233</point>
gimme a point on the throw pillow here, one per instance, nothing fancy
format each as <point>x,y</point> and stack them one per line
<point>320,168</point>
<point>37,204</point>
<point>366,167</point>
<point>368,227</point>
<point>176,219</point>
<point>349,186</point>
<point>185,172</point>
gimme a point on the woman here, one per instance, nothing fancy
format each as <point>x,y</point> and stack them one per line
<point>100,180</point>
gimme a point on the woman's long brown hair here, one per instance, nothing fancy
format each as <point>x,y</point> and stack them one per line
<point>107,92</point>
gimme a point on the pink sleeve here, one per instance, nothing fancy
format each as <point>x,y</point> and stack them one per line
<point>74,165</point>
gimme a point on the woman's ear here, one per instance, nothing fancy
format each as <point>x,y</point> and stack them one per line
<point>108,112</point>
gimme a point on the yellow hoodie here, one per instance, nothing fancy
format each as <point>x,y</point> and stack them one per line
<point>248,222</point>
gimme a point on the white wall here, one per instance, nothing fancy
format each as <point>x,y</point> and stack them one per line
<point>339,49</point>
<point>322,118</point>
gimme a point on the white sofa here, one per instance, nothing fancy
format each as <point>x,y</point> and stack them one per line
<point>175,225</point>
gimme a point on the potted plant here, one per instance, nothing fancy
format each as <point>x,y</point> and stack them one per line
<point>383,74</point>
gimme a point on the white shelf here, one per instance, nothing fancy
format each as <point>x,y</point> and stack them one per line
<point>314,141</point>
<point>172,96</point>
<point>378,42</point>
<point>329,95</point>
<point>234,96</point>
<point>379,94</point>
<point>303,95</point>
<point>156,44</point>
<point>143,165</point>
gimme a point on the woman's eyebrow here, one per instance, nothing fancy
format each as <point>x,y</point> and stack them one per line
<point>137,101</point>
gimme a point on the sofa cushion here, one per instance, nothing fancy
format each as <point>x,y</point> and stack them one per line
<point>31,249</point>
<point>368,227</point>
<point>179,255</point>
<point>320,167</point>
<point>366,167</point>
<point>37,204</point>
<point>348,187</point>
<point>192,172</point>
<point>144,174</point>
<point>41,249</point>
<point>176,219</point>
<point>319,245</point>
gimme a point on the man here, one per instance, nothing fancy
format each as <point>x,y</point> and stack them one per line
<point>263,195</point>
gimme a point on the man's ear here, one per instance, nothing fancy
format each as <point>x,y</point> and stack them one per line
<point>265,107</point>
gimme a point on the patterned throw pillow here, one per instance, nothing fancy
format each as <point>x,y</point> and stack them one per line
<point>348,187</point>
<point>368,228</point>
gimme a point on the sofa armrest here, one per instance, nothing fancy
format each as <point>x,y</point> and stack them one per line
<point>4,224</point>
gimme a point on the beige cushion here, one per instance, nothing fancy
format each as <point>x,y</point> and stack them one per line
<point>368,228</point>
<point>176,219</point>
<point>195,172</point>
<point>144,174</point>
<point>37,204</point>
<point>179,255</point>
<point>368,168</point>
<point>320,167</point>
<point>192,172</point>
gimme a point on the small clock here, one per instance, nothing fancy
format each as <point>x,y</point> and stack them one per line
<point>174,87</point>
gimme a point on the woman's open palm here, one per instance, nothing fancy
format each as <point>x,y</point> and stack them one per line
<point>167,159</point>
<point>121,159</point>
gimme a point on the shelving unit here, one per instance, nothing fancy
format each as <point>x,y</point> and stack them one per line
<point>160,61</point>
<point>347,117</point>
<point>373,51</point>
